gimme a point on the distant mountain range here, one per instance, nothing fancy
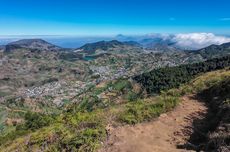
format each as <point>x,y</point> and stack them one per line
<point>154,42</point>
<point>184,41</point>
<point>117,47</point>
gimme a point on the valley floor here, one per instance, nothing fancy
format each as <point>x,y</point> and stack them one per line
<point>163,134</point>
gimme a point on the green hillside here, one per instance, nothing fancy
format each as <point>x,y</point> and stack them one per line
<point>82,127</point>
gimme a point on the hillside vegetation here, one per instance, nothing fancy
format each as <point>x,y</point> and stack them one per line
<point>82,127</point>
<point>217,129</point>
<point>170,77</point>
<point>56,99</point>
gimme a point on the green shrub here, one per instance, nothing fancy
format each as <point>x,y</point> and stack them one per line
<point>12,135</point>
<point>131,96</point>
<point>85,140</point>
<point>119,85</point>
<point>35,121</point>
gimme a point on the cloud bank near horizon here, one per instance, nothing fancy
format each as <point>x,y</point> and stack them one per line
<point>181,40</point>
<point>199,40</point>
<point>186,40</point>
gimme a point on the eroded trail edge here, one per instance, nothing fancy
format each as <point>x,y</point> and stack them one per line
<point>163,134</point>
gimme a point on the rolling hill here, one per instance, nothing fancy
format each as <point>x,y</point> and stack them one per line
<point>113,46</point>
<point>33,44</point>
<point>214,51</point>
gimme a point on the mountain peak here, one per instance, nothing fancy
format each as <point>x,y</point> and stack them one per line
<point>102,46</point>
<point>27,41</point>
<point>36,44</point>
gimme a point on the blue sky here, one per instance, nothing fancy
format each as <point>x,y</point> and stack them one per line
<point>111,17</point>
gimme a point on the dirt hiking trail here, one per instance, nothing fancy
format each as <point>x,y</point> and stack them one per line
<point>160,135</point>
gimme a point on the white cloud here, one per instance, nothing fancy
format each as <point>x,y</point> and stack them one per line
<point>198,40</point>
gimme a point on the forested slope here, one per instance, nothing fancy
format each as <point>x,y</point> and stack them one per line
<point>170,77</point>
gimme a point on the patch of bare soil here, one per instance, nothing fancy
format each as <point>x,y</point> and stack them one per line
<point>163,134</point>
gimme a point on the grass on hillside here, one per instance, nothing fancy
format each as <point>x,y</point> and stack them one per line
<point>83,130</point>
<point>136,112</point>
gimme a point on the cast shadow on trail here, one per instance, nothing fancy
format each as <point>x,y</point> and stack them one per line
<point>211,130</point>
